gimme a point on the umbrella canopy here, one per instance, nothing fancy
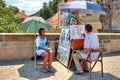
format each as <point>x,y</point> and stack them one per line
<point>84,7</point>
<point>32,24</point>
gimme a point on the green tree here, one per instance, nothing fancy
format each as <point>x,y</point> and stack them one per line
<point>8,23</point>
<point>14,9</point>
<point>48,10</point>
<point>2,3</point>
<point>51,6</point>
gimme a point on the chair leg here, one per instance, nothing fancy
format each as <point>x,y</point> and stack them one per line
<point>93,65</point>
<point>101,67</point>
<point>35,63</point>
<point>90,73</point>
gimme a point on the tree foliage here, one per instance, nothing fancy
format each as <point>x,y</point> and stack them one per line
<point>8,23</point>
<point>2,3</point>
<point>48,10</point>
<point>14,9</point>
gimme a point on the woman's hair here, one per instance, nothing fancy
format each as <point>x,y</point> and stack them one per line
<point>88,27</point>
<point>40,30</point>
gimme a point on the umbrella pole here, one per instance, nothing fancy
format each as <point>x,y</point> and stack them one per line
<point>78,17</point>
<point>34,45</point>
<point>35,61</point>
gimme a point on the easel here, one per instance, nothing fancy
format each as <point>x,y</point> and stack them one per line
<point>75,43</point>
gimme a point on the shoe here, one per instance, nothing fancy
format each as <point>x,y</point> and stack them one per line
<point>86,71</point>
<point>50,70</point>
<point>44,70</point>
<point>78,72</point>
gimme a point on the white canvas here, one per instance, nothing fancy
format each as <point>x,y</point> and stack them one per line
<point>77,31</point>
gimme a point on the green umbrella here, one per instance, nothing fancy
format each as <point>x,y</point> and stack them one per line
<point>32,24</point>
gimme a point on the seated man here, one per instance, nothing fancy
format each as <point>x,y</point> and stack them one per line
<point>91,42</point>
<point>46,53</point>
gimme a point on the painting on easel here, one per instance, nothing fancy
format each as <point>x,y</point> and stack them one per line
<point>76,31</point>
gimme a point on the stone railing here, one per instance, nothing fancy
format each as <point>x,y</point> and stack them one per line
<point>21,45</point>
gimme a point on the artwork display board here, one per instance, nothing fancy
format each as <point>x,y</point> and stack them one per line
<point>63,55</point>
<point>65,38</point>
<point>68,32</point>
<point>64,47</point>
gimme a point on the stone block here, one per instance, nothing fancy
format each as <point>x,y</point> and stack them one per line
<point>16,50</point>
<point>114,45</point>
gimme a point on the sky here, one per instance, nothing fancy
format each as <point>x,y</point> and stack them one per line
<point>30,6</point>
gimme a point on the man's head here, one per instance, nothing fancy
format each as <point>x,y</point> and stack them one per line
<point>88,28</point>
<point>41,31</point>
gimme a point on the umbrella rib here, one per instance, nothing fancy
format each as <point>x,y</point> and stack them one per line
<point>28,25</point>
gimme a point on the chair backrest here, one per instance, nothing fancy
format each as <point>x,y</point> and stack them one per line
<point>94,54</point>
<point>77,43</point>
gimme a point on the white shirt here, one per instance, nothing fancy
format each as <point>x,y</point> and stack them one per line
<point>92,42</point>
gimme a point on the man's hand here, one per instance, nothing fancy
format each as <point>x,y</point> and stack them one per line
<point>85,51</point>
<point>82,51</point>
<point>44,49</point>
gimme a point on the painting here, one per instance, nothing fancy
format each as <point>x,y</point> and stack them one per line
<point>65,38</point>
<point>77,31</point>
<point>63,55</point>
<point>66,20</point>
<point>72,18</point>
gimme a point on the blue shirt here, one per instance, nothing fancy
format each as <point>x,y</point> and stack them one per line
<point>42,43</point>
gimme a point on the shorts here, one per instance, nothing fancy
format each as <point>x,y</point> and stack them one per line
<point>39,51</point>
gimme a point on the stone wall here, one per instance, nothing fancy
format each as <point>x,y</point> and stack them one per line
<point>21,46</point>
<point>113,46</point>
<point>16,50</point>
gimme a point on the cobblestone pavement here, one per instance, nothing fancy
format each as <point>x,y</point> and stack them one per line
<point>24,70</point>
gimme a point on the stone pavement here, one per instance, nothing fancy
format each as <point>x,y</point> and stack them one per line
<point>24,70</point>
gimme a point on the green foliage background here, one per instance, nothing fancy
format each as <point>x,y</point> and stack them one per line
<point>48,10</point>
<point>8,23</point>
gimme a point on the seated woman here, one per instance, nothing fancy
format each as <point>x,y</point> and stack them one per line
<point>46,53</point>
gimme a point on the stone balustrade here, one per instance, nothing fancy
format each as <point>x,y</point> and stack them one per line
<point>21,45</point>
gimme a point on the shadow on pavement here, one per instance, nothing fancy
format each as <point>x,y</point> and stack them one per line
<point>111,54</point>
<point>95,76</point>
<point>28,71</point>
<point>11,62</point>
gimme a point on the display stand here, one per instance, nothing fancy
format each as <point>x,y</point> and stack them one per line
<point>71,36</point>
